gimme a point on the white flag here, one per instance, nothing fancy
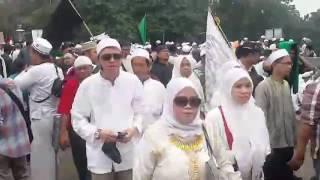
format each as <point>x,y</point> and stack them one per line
<point>217,53</point>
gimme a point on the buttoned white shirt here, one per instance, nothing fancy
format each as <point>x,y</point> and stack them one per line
<point>115,107</point>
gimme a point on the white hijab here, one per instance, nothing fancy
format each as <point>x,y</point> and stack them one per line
<point>173,88</point>
<point>247,124</point>
<point>216,100</point>
<point>176,72</point>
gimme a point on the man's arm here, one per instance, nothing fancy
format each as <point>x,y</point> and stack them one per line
<point>310,114</point>
<point>261,97</point>
<point>26,79</point>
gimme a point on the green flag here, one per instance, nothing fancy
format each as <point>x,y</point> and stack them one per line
<point>142,27</point>
<point>294,75</point>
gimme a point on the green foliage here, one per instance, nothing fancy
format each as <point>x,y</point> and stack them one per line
<point>172,19</point>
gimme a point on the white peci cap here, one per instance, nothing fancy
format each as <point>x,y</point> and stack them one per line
<point>108,42</point>
<point>140,53</point>
<point>277,55</point>
<point>82,61</point>
<point>42,46</point>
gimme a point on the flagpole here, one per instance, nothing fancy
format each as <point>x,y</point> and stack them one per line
<point>218,25</point>
<point>83,22</point>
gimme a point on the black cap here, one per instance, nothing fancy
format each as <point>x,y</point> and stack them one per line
<point>161,48</point>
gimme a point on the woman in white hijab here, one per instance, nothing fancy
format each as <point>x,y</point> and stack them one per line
<point>174,147</point>
<point>215,99</point>
<point>183,67</point>
<point>241,124</point>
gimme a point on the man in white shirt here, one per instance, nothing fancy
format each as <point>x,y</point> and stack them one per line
<point>154,91</point>
<point>38,80</point>
<point>107,110</point>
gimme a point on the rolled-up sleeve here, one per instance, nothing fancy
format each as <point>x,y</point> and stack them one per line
<point>310,108</point>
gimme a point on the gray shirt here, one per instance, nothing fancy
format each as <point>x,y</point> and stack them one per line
<point>275,100</point>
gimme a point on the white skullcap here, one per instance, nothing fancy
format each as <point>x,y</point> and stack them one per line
<point>158,42</point>
<point>78,46</point>
<point>263,37</point>
<point>194,44</point>
<point>88,45</point>
<point>167,43</point>
<point>140,53</point>
<point>266,40</point>
<point>274,39</point>
<point>202,52</point>
<point>68,55</point>
<point>277,55</point>
<point>82,61</point>
<point>291,40</point>
<point>148,46</point>
<point>273,47</point>
<point>42,46</point>
<point>281,39</point>
<point>108,42</point>
<point>186,48</point>
<point>246,39</point>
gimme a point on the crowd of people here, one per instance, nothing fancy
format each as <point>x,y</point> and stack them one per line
<point>141,112</point>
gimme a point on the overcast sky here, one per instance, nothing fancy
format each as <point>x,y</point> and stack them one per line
<point>307,6</point>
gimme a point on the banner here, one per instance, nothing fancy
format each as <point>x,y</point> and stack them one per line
<point>217,53</point>
<point>36,33</point>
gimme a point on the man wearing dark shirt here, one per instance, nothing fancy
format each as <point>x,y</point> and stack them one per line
<point>248,56</point>
<point>161,68</point>
<point>7,61</point>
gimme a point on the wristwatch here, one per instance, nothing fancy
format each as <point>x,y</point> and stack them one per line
<point>97,134</point>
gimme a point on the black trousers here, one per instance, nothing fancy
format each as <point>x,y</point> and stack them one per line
<point>275,167</point>
<point>78,147</point>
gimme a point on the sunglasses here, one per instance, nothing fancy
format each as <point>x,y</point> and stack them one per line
<point>183,101</point>
<point>108,57</point>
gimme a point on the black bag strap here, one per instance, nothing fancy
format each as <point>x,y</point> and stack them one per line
<point>206,136</point>
<point>17,101</point>
<point>43,100</point>
<point>55,66</point>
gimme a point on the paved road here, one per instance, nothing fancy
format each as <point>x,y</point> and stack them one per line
<point>67,171</point>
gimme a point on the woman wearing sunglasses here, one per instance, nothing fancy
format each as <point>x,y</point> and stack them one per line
<point>241,124</point>
<point>174,147</point>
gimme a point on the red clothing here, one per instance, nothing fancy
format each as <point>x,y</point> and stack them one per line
<point>67,97</point>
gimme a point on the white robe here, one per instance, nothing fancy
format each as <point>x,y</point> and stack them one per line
<point>39,80</point>
<point>154,96</point>
<point>158,159</point>
<point>247,125</point>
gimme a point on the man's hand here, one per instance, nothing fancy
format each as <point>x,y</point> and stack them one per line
<point>9,83</point>
<point>131,132</point>
<point>108,136</point>
<point>64,139</point>
<point>296,162</point>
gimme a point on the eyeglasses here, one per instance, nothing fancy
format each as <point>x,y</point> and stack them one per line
<point>286,63</point>
<point>107,57</point>
<point>183,101</point>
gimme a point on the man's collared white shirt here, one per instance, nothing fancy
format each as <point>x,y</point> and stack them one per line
<point>114,107</point>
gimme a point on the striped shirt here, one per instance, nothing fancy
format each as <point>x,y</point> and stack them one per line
<point>310,114</point>
<point>14,140</point>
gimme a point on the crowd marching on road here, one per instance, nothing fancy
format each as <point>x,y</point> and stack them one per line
<point>141,112</point>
